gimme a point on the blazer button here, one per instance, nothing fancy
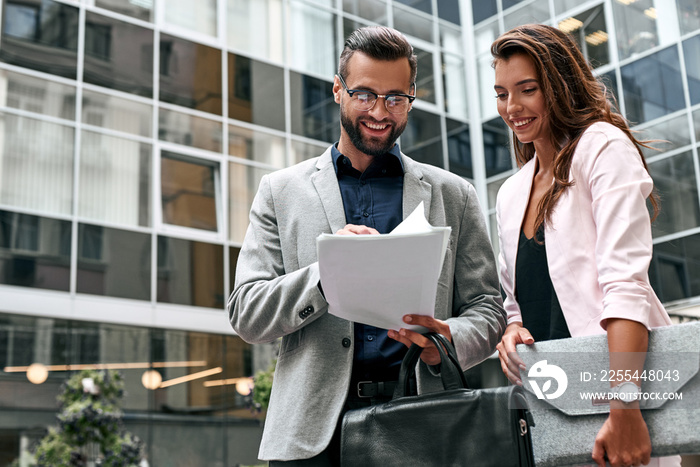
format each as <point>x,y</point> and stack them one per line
<point>346,342</point>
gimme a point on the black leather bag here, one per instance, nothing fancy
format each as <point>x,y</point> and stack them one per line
<point>454,427</point>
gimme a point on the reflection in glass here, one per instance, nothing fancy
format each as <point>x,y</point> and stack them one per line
<point>36,164</point>
<point>421,140</point>
<point>117,113</point>
<point>689,14</point>
<point>609,80</point>
<point>641,26</point>
<point>314,113</point>
<point>533,12</point>
<point>118,55</point>
<point>37,95</point>
<point>256,146</point>
<point>142,9</point>
<point>313,34</point>
<point>487,95</point>
<point>190,74</point>
<point>373,10</point>
<point>561,6</point>
<point>425,81</point>
<point>189,192</point>
<point>189,130</point>
<point>412,24</point>
<point>34,251</point>
<point>691,52</point>
<point>195,15</point>
<point>451,39</point>
<point>483,9</point>
<point>459,148</point>
<point>674,178</point>
<point>675,268</point>
<point>589,31</point>
<point>455,85</point>
<point>115,176</point>
<point>422,5</point>
<point>41,35</point>
<point>484,35</point>
<point>652,86</point>
<point>256,92</point>
<point>113,262</point>
<point>190,273</point>
<point>496,147</point>
<point>302,151</point>
<point>243,184</point>
<point>696,124</point>
<point>449,11</point>
<point>673,133</point>
<point>255,27</point>
<point>509,3</point>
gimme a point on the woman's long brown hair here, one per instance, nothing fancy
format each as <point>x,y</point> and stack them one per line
<point>574,100</point>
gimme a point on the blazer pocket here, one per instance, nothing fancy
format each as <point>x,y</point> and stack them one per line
<point>291,342</point>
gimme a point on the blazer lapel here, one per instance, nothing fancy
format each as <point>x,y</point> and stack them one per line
<point>415,189</point>
<point>326,183</point>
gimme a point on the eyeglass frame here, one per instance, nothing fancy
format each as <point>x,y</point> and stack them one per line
<point>377,96</point>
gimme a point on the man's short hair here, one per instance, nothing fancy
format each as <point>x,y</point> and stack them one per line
<point>380,43</point>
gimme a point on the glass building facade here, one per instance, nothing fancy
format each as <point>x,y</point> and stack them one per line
<point>133,135</point>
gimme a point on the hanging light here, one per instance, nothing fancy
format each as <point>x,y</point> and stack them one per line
<point>151,379</point>
<point>37,373</point>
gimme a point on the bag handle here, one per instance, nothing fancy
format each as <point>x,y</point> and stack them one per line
<point>450,369</point>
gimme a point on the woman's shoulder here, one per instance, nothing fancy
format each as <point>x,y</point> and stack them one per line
<point>602,132</point>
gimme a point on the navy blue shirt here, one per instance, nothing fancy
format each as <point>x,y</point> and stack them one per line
<point>373,198</point>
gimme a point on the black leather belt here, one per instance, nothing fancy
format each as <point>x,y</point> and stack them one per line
<point>376,389</point>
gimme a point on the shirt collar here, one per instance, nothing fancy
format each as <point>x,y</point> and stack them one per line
<point>336,156</point>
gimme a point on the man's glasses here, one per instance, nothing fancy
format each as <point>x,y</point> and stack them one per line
<point>365,100</point>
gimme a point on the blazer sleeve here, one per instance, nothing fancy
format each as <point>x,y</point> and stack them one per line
<point>268,302</point>
<point>619,186</point>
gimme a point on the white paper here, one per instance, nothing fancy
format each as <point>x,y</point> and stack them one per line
<point>377,279</point>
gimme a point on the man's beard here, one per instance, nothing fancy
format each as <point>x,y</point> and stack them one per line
<point>369,146</point>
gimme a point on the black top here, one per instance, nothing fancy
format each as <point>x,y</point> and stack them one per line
<point>539,305</point>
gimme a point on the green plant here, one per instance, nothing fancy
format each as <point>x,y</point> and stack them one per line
<point>263,387</point>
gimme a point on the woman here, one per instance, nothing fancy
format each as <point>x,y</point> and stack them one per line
<point>573,224</point>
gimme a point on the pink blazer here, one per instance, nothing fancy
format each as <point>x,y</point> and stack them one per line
<point>598,242</point>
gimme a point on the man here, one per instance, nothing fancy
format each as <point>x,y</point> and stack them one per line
<point>361,185</point>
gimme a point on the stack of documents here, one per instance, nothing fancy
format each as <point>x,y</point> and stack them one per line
<point>377,279</point>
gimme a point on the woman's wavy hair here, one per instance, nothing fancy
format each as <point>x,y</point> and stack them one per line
<point>574,100</point>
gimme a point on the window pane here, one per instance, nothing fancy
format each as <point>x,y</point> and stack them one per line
<point>256,146</point>
<point>255,27</point>
<point>492,189</point>
<point>256,92</point>
<point>314,112</point>
<point>188,191</point>
<point>189,130</point>
<point>609,80</point>
<point>373,10</point>
<point>561,6</point>
<point>640,26</point>
<point>190,273</point>
<point>421,140</point>
<point>691,51</point>
<point>116,113</point>
<point>533,12</point>
<point>589,31</point>
<point>674,134</point>
<point>412,24</point>
<point>41,35</point>
<point>422,5</point>
<point>190,74</point>
<point>451,39</point>
<point>675,268</point>
<point>689,13</point>
<point>696,124</point>
<point>652,86</point>
<point>484,36</point>
<point>459,148</point>
<point>425,81</point>
<point>449,11</point>
<point>36,164</point>
<point>35,251</point>
<point>486,81</point>
<point>302,151</point>
<point>674,178</point>
<point>243,184</point>
<point>313,35</point>
<point>118,55</point>
<point>497,147</point>
<point>142,9</point>
<point>195,15</point>
<point>455,85</point>
<point>115,263</point>
<point>115,180</point>
<point>483,9</point>
<point>37,95</point>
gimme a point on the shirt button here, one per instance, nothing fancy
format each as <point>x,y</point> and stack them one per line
<point>346,342</point>
<point>370,338</point>
<point>365,214</point>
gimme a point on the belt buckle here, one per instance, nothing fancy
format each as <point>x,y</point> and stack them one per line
<point>359,389</point>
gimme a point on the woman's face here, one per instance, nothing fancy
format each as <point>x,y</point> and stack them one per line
<point>521,102</point>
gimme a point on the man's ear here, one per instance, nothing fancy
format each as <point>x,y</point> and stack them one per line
<point>337,88</point>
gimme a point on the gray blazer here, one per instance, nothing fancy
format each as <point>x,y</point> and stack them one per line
<point>276,293</point>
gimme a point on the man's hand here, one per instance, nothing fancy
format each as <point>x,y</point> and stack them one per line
<point>407,337</point>
<point>352,229</point>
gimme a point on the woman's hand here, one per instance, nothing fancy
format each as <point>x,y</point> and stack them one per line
<point>623,440</point>
<point>511,363</point>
